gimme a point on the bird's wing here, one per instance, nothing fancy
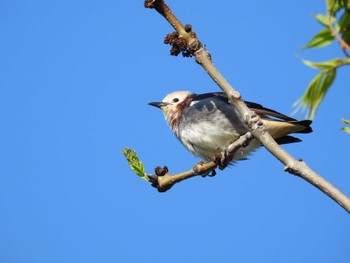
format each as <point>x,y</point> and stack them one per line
<point>259,109</point>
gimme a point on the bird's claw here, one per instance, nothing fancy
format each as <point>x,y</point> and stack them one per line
<point>222,158</point>
<point>209,173</point>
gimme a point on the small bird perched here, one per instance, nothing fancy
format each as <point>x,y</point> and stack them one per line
<point>206,123</point>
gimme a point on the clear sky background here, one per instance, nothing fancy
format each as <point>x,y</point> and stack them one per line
<point>75,80</point>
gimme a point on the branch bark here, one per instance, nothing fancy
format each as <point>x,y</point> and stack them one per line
<point>257,128</point>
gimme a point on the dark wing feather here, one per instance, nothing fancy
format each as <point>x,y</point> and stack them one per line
<point>287,139</point>
<point>259,109</point>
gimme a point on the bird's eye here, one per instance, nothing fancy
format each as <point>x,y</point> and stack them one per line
<point>175,100</point>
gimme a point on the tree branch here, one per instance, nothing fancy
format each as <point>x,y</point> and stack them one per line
<point>257,128</point>
<point>163,181</point>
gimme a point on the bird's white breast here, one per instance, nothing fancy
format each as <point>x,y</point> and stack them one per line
<point>209,125</point>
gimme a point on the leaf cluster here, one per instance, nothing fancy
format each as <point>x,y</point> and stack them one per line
<point>135,164</point>
<point>346,128</point>
<point>336,25</point>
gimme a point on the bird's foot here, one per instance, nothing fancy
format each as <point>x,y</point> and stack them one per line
<point>222,158</point>
<point>209,173</point>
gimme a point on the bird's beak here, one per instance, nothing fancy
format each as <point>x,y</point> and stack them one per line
<point>158,104</point>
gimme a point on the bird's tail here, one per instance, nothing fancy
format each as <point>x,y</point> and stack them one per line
<point>280,130</point>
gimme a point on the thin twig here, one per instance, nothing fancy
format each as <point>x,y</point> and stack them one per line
<point>163,180</point>
<point>256,127</point>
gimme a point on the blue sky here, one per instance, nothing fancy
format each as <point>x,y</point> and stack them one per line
<point>75,80</point>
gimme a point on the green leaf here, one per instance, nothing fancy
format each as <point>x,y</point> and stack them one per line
<point>333,6</point>
<point>323,38</point>
<point>316,91</point>
<point>346,129</point>
<point>332,63</point>
<point>325,20</point>
<point>343,26</point>
<point>344,20</point>
<point>135,163</point>
<point>346,121</point>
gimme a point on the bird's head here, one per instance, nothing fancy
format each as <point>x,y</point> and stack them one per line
<point>172,106</point>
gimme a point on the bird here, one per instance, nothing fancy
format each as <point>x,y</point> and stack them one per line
<point>208,123</point>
